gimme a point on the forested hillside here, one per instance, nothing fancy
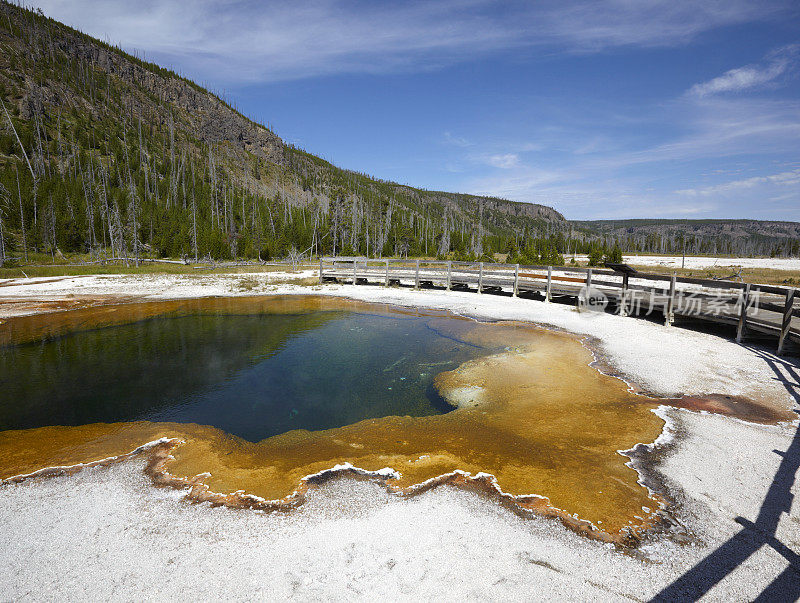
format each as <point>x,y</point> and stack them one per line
<point>103,153</point>
<point>709,237</point>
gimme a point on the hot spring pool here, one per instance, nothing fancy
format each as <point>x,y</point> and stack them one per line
<point>256,394</point>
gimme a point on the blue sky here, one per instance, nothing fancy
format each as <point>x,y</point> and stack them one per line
<point>620,109</point>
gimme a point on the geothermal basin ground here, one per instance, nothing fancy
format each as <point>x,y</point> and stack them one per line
<point>728,527</point>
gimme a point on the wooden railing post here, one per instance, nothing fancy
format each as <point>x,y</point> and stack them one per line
<point>449,274</point>
<point>549,289</point>
<point>480,278</point>
<point>669,307</point>
<point>623,299</point>
<point>515,292</point>
<point>355,274</point>
<point>788,309</point>
<point>387,274</point>
<point>416,278</point>
<point>320,270</point>
<point>742,326</point>
<point>588,279</point>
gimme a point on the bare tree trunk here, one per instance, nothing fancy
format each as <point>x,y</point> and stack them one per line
<point>5,197</point>
<point>132,194</point>
<point>172,176</point>
<point>194,220</point>
<point>444,244</point>
<point>2,241</point>
<point>21,217</point>
<point>52,229</point>
<point>19,142</point>
<point>271,222</point>
<point>212,172</point>
<point>107,211</point>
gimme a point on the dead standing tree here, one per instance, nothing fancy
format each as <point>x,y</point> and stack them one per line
<point>19,188</point>
<point>194,219</point>
<point>19,142</point>
<point>383,230</point>
<point>87,179</point>
<point>132,207</point>
<point>21,217</point>
<point>5,200</point>
<point>444,243</point>
<point>477,237</point>
<point>212,173</point>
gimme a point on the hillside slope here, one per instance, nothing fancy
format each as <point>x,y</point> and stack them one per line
<point>102,151</point>
<point>739,237</point>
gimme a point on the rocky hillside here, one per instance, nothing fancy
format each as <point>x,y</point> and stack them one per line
<point>105,153</point>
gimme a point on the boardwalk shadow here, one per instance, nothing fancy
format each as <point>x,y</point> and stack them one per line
<point>701,578</point>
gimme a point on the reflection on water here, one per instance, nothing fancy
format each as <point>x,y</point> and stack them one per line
<point>252,375</point>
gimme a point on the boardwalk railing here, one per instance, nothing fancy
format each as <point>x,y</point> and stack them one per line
<point>762,308</point>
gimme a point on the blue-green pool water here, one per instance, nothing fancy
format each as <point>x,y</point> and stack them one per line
<point>252,375</point>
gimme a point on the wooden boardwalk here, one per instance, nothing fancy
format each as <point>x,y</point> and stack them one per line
<point>760,308</point>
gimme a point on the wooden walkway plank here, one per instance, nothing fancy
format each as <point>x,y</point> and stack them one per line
<point>761,308</point>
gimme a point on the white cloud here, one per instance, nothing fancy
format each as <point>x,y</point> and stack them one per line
<point>750,76</point>
<point>716,128</point>
<point>456,141</point>
<point>591,25</point>
<point>596,144</point>
<point>637,183</point>
<point>505,162</point>
<point>525,183</point>
<point>738,79</point>
<point>578,197</point>
<point>790,178</point>
<point>248,40</point>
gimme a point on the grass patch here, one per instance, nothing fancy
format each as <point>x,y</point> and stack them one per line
<point>764,276</point>
<point>247,284</point>
<point>301,282</point>
<point>147,268</point>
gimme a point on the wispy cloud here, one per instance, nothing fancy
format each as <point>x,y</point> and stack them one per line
<point>590,198</point>
<point>526,183</point>
<point>456,141</point>
<point>790,178</point>
<point>625,182</point>
<point>751,76</point>
<point>248,40</point>
<point>716,128</point>
<point>505,161</point>
<point>591,25</point>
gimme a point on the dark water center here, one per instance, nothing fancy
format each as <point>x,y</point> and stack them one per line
<point>252,375</point>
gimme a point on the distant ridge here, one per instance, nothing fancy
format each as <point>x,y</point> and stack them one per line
<point>736,236</point>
